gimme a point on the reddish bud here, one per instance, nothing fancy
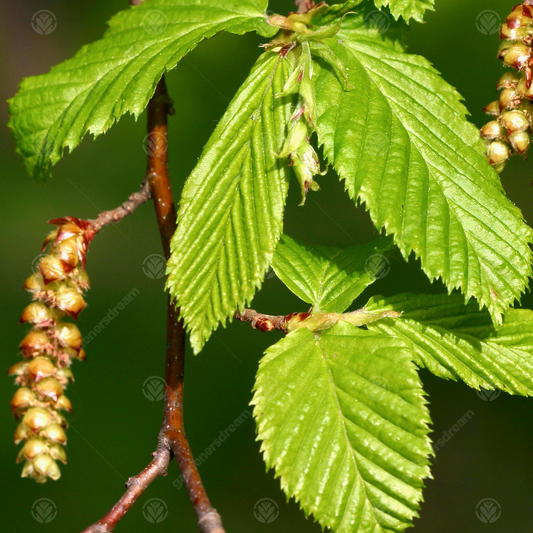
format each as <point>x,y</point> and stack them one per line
<point>38,313</point>
<point>63,403</point>
<point>49,388</point>
<point>54,433</point>
<point>514,121</point>
<point>70,301</point>
<point>498,152</point>
<point>493,130</point>
<point>40,368</point>
<point>68,335</point>
<point>36,419</point>
<point>53,269</point>
<point>493,108</point>
<point>520,141</point>
<point>22,399</point>
<point>36,342</point>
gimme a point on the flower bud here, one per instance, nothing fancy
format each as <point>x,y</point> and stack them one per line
<point>493,108</point>
<point>508,81</point>
<point>34,447</point>
<point>43,464</point>
<point>507,97</point>
<point>27,470</point>
<point>70,301</point>
<point>493,130</point>
<point>18,369</point>
<point>49,388</point>
<point>57,452</point>
<point>53,269</point>
<point>22,399</point>
<point>522,90</point>
<point>67,251</point>
<point>38,313</point>
<point>34,283</point>
<point>516,55</point>
<point>514,121</point>
<point>69,335</point>
<point>63,375</point>
<point>36,418</point>
<point>41,367</point>
<point>63,403</point>
<point>520,17</point>
<point>514,34</point>
<point>36,342</point>
<point>21,433</point>
<point>54,433</point>
<point>498,152</point>
<point>520,141</point>
<point>80,278</point>
<point>82,356</point>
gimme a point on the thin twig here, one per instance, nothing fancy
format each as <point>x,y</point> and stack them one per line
<point>135,487</point>
<point>127,208</point>
<point>261,321</point>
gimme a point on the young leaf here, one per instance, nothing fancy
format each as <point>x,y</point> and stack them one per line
<point>231,209</point>
<point>118,74</point>
<point>402,144</point>
<point>344,423</point>
<point>407,8</point>
<point>455,341</point>
<point>328,278</point>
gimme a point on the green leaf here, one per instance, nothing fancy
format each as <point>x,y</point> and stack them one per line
<point>231,209</point>
<point>401,143</point>
<point>118,74</point>
<point>407,8</point>
<point>344,423</point>
<point>329,278</point>
<point>455,341</point>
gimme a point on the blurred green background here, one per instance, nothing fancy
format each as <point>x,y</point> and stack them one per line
<point>114,426</point>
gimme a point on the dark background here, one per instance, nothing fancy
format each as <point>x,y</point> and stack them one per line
<point>114,427</point>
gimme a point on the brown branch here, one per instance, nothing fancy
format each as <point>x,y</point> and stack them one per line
<point>172,441</point>
<point>263,322</point>
<point>135,487</point>
<point>127,208</point>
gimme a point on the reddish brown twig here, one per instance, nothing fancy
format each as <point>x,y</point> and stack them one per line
<point>123,210</point>
<point>262,322</point>
<point>172,441</point>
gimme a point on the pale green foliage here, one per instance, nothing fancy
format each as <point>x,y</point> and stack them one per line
<point>407,8</point>
<point>231,209</point>
<point>117,74</point>
<point>326,277</point>
<point>344,424</point>
<point>455,341</point>
<point>403,146</point>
